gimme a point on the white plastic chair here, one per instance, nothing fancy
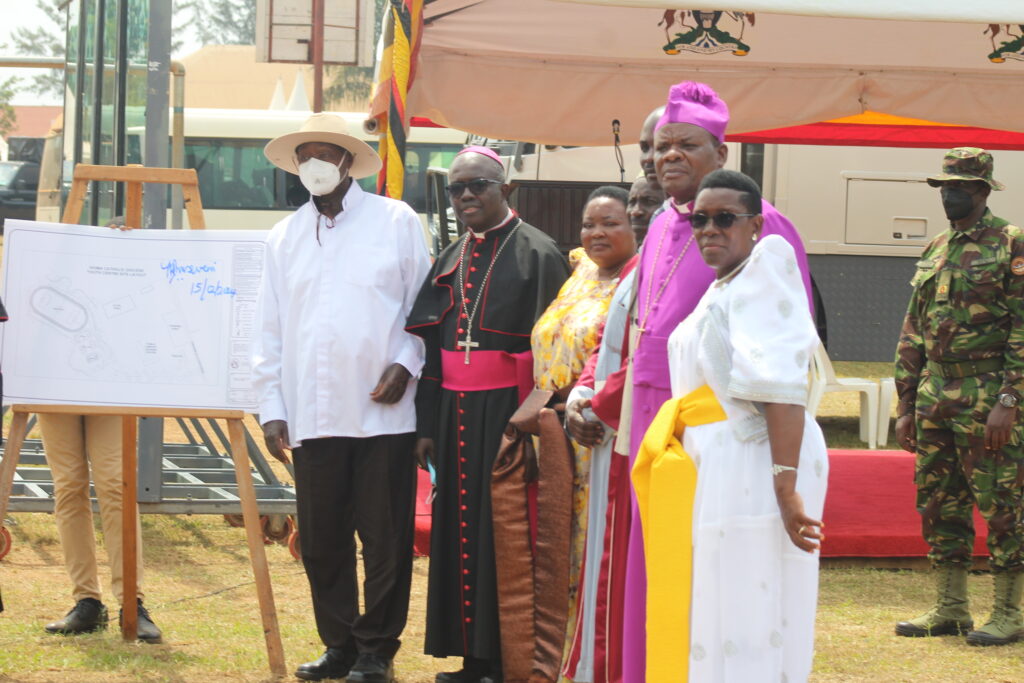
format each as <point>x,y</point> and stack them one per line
<point>824,380</point>
<point>886,394</point>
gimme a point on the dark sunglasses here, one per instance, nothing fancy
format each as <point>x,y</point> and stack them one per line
<point>476,186</point>
<point>722,219</point>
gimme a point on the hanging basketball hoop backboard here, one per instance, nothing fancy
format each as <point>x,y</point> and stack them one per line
<point>284,30</point>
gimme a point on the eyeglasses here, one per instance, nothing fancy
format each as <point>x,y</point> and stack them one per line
<point>476,186</point>
<point>722,219</point>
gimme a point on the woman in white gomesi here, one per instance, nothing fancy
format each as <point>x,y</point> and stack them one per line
<point>762,472</point>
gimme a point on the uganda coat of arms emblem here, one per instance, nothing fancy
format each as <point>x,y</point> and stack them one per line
<point>705,37</point>
<point>1013,48</point>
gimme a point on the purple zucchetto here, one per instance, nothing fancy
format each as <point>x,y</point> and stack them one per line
<point>485,151</point>
<point>696,103</point>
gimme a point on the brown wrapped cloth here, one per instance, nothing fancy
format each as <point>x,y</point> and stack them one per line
<point>533,580</point>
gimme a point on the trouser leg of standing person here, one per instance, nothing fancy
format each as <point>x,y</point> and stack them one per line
<point>996,478</point>
<point>384,476</point>
<point>103,448</point>
<point>325,509</point>
<point>64,445</point>
<point>946,506</point>
<point>944,497</point>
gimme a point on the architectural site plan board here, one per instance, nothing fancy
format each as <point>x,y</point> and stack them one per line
<point>141,318</point>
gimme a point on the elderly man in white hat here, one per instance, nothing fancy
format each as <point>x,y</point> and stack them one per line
<point>334,370</point>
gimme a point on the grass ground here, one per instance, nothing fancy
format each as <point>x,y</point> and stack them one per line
<point>199,590</point>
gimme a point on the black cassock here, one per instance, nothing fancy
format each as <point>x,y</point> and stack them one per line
<point>462,602</point>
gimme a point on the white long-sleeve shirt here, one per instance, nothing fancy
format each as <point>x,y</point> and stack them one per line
<point>332,318</point>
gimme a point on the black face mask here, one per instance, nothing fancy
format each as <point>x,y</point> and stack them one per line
<point>957,203</point>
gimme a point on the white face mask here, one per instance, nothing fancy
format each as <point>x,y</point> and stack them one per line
<point>320,177</point>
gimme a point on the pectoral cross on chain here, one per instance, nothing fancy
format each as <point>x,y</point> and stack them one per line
<point>467,344</point>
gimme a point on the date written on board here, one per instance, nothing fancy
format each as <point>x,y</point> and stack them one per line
<point>204,288</point>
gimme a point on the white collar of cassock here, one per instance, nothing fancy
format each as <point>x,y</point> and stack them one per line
<point>508,217</point>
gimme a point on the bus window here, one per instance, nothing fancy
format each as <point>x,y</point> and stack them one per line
<point>133,151</point>
<point>752,162</point>
<point>295,194</point>
<point>233,173</point>
<point>418,158</point>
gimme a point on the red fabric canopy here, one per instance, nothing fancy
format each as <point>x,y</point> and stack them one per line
<point>423,122</point>
<point>880,130</point>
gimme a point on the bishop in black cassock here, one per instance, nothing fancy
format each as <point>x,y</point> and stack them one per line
<point>475,313</point>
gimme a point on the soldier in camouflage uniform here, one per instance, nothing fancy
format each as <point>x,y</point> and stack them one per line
<point>960,375</point>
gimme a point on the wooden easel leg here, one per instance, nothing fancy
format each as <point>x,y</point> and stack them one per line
<point>12,452</point>
<point>133,205</point>
<point>193,206</point>
<point>129,498</point>
<point>257,551</point>
<point>76,200</point>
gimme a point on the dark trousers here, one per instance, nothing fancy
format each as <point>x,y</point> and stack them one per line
<point>367,486</point>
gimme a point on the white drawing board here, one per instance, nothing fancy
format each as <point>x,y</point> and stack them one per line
<point>131,318</point>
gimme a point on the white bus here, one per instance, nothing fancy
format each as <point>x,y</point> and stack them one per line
<point>241,189</point>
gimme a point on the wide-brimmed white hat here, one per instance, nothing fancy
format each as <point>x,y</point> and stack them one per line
<point>323,127</point>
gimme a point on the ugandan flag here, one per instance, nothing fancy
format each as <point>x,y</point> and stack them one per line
<point>396,69</point>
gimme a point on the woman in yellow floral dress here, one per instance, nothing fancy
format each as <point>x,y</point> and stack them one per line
<point>568,332</point>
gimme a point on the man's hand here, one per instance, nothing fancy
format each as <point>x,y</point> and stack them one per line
<point>275,435</point>
<point>999,426</point>
<point>906,433</point>
<point>424,452</point>
<point>392,384</point>
<point>587,434</point>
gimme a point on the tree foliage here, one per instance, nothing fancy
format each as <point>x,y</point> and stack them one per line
<point>43,40</point>
<point>219,22</point>
<point>7,117</point>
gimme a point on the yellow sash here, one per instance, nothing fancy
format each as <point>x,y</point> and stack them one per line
<point>665,480</point>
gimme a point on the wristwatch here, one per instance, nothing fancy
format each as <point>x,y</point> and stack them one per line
<point>1007,400</point>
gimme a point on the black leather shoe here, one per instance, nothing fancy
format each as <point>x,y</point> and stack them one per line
<point>371,668</point>
<point>464,677</point>
<point>467,675</point>
<point>474,670</point>
<point>145,629</point>
<point>86,616</point>
<point>334,663</point>
<point>454,677</point>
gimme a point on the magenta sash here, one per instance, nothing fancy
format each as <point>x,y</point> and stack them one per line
<point>487,370</point>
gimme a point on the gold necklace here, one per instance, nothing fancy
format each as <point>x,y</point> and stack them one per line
<point>615,275</point>
<point>725,279</point>
<point>650,283</point>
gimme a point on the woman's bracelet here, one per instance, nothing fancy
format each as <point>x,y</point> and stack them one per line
<point>779,469</point>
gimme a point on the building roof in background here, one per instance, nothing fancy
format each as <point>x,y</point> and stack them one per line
<point>229,77</point>
<point>34,121</point>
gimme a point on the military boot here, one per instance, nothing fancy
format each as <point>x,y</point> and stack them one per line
<point>949,616</point>
<point>1006,625</point>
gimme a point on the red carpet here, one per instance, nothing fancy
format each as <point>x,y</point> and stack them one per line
<point>869,510</point>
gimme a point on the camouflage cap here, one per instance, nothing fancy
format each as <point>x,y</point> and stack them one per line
<point>966,163</point>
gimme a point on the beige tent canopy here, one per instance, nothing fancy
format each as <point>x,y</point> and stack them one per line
<point>560,72</point>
